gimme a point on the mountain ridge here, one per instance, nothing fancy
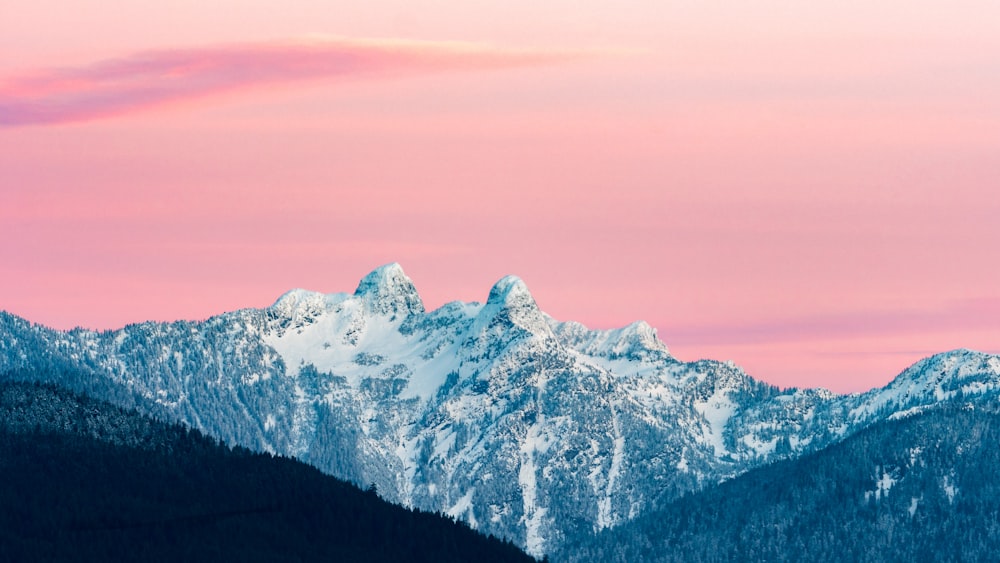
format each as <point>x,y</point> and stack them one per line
<point>88,481</point>
<point>910,489</point>
<point>525,427</point>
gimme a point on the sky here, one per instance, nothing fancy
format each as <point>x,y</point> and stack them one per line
<point>808,189</point>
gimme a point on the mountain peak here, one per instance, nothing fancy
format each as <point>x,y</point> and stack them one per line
<point>640,333</point>
<point>388,291</point>
<point>510,291</point>
<point>301,300</point>
<point>509,298</point>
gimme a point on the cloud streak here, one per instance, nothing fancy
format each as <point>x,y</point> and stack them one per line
<point>970,314</point>
<point>145,80</point>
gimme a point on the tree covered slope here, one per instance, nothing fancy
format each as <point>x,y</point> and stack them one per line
<point>920,488</point>
<point>82,480</point>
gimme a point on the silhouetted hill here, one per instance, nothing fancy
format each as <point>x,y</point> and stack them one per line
<point>82,480</point>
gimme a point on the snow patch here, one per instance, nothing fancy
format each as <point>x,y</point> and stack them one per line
<point>463,508</point>
<point>682,465</point>
<point>949,488</point>
<point>882,484</point>
<point>909,412</point>
<point>761,447</point>
<point>605,519</point>
<point>716,411</point>
<point>407,451</point>
<point>527,478</point>
<point>444,442</point>
<point>497,512</point>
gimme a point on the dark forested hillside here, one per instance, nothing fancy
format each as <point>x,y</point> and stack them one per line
<point>85,481</point>
<point>924,488</point>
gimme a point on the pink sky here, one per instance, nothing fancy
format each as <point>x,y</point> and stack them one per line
<point>807,189</point>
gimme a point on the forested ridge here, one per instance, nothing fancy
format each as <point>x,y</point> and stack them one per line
<point>923,488</point>
<point>82,480</point>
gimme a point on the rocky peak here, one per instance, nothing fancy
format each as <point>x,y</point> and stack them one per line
<point>511,299</point>
<point>510,291</point>
<point>639,340</point>
<point>388,291</point>
<point>300,307</point>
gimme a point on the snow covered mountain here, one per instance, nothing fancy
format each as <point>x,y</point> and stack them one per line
<point>526,427</point>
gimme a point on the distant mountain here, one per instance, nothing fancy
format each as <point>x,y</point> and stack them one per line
<point>525,427</point>
<point>920,488</point>
<point>87,481</point>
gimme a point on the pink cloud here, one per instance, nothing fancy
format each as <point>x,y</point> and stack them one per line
<point>144,80</point>
<point>982,313</point>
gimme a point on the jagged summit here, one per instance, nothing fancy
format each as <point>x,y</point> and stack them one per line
<point>510,299</point>
<point>637,341</point>
<point>388,291</point>
<point>510,291</point>
<point>643,336</point>
<point>297,302</point>
<point>297,295</point>
<point>385,291</point>
<point>641,329</point>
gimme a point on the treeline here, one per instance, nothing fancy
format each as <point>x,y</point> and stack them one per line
<point>923,488</point>
<point>81,480</point>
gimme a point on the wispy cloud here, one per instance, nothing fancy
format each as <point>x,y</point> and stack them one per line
<point>144,80</point>
<point>970,314</point>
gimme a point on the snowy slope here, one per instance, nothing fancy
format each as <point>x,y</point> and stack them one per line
<point>526,427</point>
